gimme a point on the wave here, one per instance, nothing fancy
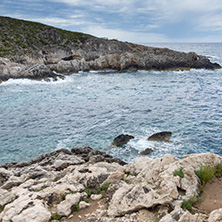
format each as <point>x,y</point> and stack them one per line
<point>35,82</point>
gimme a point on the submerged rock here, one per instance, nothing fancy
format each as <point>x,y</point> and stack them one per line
<point>122,139</point>
<point>146,151</point>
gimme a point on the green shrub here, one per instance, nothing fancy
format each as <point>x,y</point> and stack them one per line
<point>179,173</point>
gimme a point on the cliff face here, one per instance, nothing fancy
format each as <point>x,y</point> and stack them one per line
<point>87,185</point>
<point>25,44</point>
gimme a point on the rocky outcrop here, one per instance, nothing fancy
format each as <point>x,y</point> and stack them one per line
<point>57,184</point>
<point>52,49</point>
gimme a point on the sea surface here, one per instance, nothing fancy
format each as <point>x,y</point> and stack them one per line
<point>91,109</point>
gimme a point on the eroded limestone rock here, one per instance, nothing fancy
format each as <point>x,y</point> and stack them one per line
<point>59,181</point>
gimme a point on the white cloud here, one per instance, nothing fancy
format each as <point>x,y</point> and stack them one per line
<point>97,4</point>
<point>161,11</point>
<point>211,22</point>
<point>126,35</point>
<point>132,17</point>
<point>54,21</point>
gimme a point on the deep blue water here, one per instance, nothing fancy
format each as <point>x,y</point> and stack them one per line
<point>90,109</point>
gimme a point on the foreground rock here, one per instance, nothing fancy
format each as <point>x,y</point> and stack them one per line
<point>69,52</point>
<point>57,184</point>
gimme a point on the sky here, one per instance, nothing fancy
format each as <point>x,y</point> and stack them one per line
<point>138,21</point>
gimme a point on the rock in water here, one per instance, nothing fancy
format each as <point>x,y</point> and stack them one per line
<point>161,136</point>
<point>122,139</point>
<point>146,151</point>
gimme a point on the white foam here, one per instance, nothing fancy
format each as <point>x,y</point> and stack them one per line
<point>34,82</point>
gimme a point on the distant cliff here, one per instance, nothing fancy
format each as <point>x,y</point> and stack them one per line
<point>33,50</point>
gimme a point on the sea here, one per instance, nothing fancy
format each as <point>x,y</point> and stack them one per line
<point>92,108</point>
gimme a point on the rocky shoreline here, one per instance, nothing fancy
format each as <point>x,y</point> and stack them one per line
<point>37,51</point>
<point>88,185</point>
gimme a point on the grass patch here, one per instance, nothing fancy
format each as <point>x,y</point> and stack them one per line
<point>205,174</point>
<point>218,169</point>
<point>179,173</point>
<point>188,204</point>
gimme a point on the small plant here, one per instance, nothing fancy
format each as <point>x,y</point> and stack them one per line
<point>88,192</point>
<point>205,173</point>
<point>63,195</point>
<point>1,209</point>
<point>105,186</point>
<point>77,208</point>
<point>188,204</point>
<point>86,200</point>
<point>97,191</point>
<point>218,172</point>
<point>179,173</point>
<point>40,189</point>
<point>126,181</point>
<point>55,217</point>
<point>129,174</point>
<point>56,179</point>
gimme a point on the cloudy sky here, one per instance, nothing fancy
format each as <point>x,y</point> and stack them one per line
<point>139,21</point>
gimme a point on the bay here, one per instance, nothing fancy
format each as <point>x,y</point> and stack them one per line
<point>90,109</point>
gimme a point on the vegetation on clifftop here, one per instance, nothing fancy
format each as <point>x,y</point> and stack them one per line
<point>19,37</point>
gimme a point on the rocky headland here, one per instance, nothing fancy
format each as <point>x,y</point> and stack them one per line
<point>36,51</point>
<point>88,185</point>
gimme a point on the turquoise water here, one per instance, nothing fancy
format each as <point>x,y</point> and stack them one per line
<point>90,109</point>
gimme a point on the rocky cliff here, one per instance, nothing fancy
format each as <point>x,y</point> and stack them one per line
<point>34,50</point>
<point>87,185</point>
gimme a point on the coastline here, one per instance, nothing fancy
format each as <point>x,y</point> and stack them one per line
<point>60,51</point>
<point>88,185</point>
